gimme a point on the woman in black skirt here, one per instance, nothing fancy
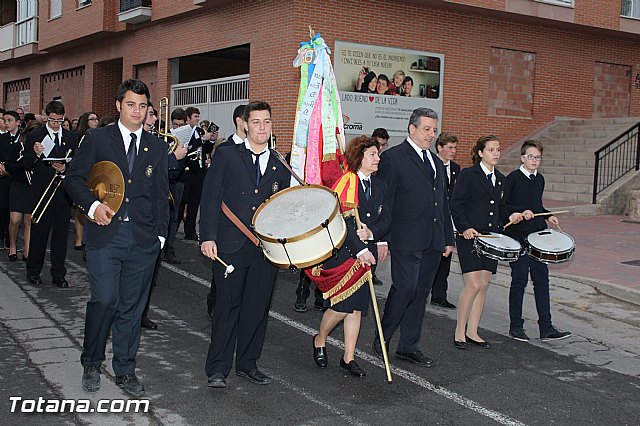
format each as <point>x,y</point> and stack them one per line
<point>20,198</point>
<point>365,244</point>
<point>475,210</point>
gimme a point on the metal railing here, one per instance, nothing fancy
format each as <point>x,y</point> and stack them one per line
<point>616,159</point>
<point>127,5</point>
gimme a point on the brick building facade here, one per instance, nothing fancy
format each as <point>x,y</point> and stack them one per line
<point>510,65</point>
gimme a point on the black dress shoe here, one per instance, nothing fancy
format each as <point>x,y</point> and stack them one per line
<point>319,305</point>
<point>131,384</point>
<point>377,281</point>
<point>300,305</point>
<point>459,344</point>
<point>171,258</point>
<point>353,368</point>
<point>13,257</point>
<point>483,345</point>
<point>255,376</point>
<point>60,282</point>
<point>24,259</point>
<point>91,378</point>
<point>34,279</point>
<point>416,357</point>
<point>148,324</point>
<point>320,354</point>
<point>217,381</point>
<point>377,348</point>
<point>443,303</point>
<point>78,247</point>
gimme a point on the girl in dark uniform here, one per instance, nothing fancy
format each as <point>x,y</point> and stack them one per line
<point>475,210</point>
<point>363,244</point>
<point>20,198</point>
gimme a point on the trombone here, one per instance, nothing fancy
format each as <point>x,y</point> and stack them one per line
<point>163,110</point>
<point>47,195</point>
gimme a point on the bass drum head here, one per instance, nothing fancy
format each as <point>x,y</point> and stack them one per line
<point>295,211</point>
<point>551,241</point>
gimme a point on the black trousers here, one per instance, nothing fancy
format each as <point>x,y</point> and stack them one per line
<point>154,280</point>
<point>412,273</point>
<point>191,200</point>
<point>440,285</point>
<point>120,276</point>
<point>5,185</point>
<point>239,321</point>
<point>54,221</point>
<point>176,188</point>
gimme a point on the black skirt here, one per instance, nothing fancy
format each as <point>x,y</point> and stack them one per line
<point>358,301</point>
<point>20,199</point>
<point>471,260</point>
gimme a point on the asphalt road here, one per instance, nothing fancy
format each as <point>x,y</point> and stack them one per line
<point>591,378</point>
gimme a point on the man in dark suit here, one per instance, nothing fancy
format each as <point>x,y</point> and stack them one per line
<point>242,176</point>
<point>122,246</point>
<point>446,145</point>
<point>421,232</point>
<point>56,216</point>
<point>235,139</point>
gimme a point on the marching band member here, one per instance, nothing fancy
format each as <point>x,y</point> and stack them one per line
<point>362,159</point>
<point>122,247</point>
<point>242,176</point>
<point>20,198</point>
<point>56,216</point>
<point>523,197</point>
<point>475,210</point>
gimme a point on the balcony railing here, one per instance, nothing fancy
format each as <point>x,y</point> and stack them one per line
<point>7,37</point>
<point>27,31</point>
<point>127,5</point>
<point>630,8</point>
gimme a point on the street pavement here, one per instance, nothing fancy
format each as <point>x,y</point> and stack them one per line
<point>592,377</point>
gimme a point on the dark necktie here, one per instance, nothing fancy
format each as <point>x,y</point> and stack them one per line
<point>257,166</point>
<point>367,188</point>
<point>427,164</point>
<point>132,152</point>
<point>490,178</point>
<point>55,152</point>
<point>532,176</point>
<point>448,173</point>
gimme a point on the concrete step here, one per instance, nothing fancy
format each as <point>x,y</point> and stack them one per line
<point>556,170</point>
<point>574,188</point>
<point>565,178</point>
<point>568,196</point>
<point>568,162</point>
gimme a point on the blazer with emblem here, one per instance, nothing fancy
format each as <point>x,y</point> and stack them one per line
<point>475,202</point>
<point>146,187</point>
<point>231,178</point>
<point>451,184</point>
<point>42,172</point>
<point>420,217</point>
<point>374,214</point>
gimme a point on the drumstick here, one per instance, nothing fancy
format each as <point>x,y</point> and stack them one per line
<point>229,268</point>
<point>539,214</point>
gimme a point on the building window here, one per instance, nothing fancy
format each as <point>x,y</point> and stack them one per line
<point>568,3</point>
<point>83,3</point>
<point>631,8</point>
<point>27,22</point>
<point>55,9</point>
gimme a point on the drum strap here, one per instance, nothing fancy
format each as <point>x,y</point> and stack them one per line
<point>238,223</point>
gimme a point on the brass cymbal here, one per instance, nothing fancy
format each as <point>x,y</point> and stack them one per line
<point>106,182</point>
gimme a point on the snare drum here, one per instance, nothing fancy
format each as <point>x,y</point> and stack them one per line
<point>497,247</point>
<point>300,226</point>
<point>550,246</point>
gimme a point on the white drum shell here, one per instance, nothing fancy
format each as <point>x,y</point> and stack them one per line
<point>309,248</point>
<point>498,247</point>
<point>550,246</point>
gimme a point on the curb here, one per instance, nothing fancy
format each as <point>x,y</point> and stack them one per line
<point>616,291</point>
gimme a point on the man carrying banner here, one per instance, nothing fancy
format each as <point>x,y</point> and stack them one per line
<point>344,276</point>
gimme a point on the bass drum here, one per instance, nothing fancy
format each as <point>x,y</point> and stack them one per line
<point>551,246</point>
<point>300,226</point>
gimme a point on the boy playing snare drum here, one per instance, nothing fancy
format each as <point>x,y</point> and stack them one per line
<point>523,193</point>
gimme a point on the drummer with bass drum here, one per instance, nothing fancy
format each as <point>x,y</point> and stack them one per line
<point>522,199</point>
<point>242,177</point>
<point>475,208</point>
